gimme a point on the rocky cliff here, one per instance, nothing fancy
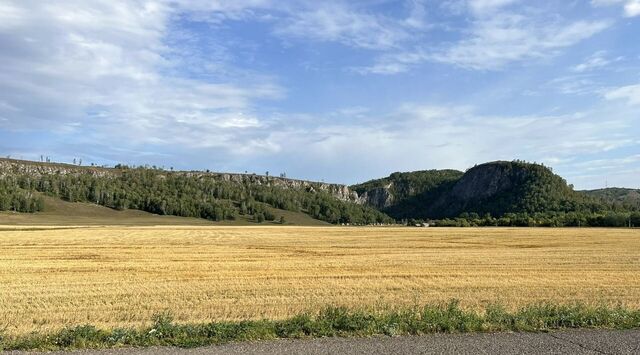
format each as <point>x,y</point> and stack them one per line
<point>379,197</point>
<point>496,188</point>
<point>11,166</point>
<point>388,192</point>
<point>487,180</point>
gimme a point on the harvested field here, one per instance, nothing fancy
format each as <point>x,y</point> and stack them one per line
<point>121,276</point>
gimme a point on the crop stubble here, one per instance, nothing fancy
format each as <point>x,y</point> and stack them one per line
<point>121,276</point>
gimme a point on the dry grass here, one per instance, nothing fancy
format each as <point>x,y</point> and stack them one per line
<point>121,276</point>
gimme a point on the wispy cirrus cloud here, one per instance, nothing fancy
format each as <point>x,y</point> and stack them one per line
<point>597,60</point>
<point>575,84</point>
<point>343,23</point>
<point>483,7</point>
<point>496,37</point>
<point>498,40</point>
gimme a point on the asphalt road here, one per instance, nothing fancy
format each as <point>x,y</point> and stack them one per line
<point>564,342</point>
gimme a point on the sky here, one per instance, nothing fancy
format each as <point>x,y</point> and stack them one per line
<point>338,91</point>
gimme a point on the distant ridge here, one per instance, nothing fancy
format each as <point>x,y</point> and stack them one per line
<point>494,193</point>
<point>208,195</point>
<point>495,188</point>
<point>621,197</point>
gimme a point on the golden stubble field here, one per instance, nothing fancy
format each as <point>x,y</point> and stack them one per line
<point>121,276</point>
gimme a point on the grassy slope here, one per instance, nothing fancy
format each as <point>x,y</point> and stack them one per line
<point>61,213</point>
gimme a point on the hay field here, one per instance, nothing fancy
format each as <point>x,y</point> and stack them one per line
<point>121,276</point>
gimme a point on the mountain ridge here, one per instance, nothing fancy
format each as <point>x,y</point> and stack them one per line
<point>494,190</point>
<point>209,195</point>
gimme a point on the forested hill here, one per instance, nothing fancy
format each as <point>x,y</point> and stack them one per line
<point>620,197</point>
<point>498,193</point>
<point>506,193</point>
<point>214,196</point>
<point>399,187</point>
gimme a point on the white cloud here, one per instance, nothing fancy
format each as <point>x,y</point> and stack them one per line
<point>595,61</point>
<point>394,63</point>
<point>578,84</point>
<point>608,164</point>
<point>585,78</point>
<point>631,7</point>
<point>10,15</point>
<point>504,38</point>
<point>487,6</point>
<point>337,22</point>
<point>417,15</point>
<point>496,36</point>
<point>422,136</point>
<point>103,69</point>
<point>630,94</point>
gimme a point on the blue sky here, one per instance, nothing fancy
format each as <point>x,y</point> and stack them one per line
<point>341,91</point>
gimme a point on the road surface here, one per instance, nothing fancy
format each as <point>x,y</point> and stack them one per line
<point>561,342</point>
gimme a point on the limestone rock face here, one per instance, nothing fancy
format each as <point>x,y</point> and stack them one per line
<point>486,181</point>
<point>378,198</point>
<point>38,169</point>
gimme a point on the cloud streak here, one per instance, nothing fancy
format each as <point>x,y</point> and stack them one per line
<point>507,38</point>
<point>338,22</point>
<point>496,37</point>
<point>629,94</point>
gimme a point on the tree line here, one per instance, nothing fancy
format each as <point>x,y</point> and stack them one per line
<point>540,219</point>
<point>13,198</point>
<point>179,194</point>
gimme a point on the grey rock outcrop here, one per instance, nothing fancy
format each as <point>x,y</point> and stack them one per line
<point>488,181</point>
<point>36,169</point>
<point>378,198</point>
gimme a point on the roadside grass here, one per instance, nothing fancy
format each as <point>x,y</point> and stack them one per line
<point>332,322</point>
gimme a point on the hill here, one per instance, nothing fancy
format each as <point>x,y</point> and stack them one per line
<point>214,196</point>
<point>496,193</point>
<point>523,192</point>
<point>57,212</point>
<point>386,192</point>
<point>621,198</point>
<point>406,195</point>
